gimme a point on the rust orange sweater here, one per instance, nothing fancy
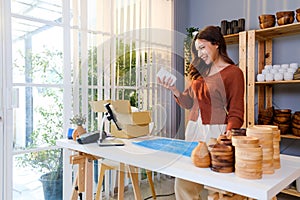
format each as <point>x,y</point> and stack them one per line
<point>220,98</point>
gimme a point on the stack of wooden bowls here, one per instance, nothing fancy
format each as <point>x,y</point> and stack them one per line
<point>266,21</point>
<point>222,158</point>
<point>298,15</point>
<point>265,136</point>
<point>248,157</point>
<point>282,119</point>
<point>285,17</point>
<point>296,123</point>
<point>238,132</point>
<point>266,116</point>
<point>276,144</point>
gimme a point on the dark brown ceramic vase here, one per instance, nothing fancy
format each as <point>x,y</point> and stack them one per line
<point>200,155</point>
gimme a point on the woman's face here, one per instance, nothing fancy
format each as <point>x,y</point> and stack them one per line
<point>206,51</point>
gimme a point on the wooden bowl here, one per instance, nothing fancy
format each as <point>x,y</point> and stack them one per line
<point>286,115</point>
<point>267,24</point>
<point>295,125</point>
<point>285,20</point>
<point>298,17</point>
<point>284,128</point>
<point>296,131</point>
<point>284,13</point>
<point>296,117</point>
<point>282,120</point>
<point>285,17</point>
<point>266,17</point>
<point>278,111</point>
<point>220,148</point>
<point>236,140</point>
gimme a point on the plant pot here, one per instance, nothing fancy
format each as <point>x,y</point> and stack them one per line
<point>52,186</point>
<point>78,131</point>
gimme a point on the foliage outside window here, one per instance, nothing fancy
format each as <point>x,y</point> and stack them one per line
<point>187,48</point>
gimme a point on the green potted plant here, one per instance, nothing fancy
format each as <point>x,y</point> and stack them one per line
<point>48,162</point>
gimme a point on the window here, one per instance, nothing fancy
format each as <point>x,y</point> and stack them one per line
<point>67,53</point>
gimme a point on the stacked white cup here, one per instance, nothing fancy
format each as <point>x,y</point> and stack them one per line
<point>278,72</point>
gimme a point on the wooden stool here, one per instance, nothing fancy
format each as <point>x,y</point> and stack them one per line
<point>133,172</point>
<point>82,183</point>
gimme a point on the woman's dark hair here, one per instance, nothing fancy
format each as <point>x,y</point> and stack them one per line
<point>197,67</point>
<point>214,36</point>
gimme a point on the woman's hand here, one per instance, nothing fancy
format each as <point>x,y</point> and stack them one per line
<point>167,83</point>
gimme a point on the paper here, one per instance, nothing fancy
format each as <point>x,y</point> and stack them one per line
<point>164,73</point>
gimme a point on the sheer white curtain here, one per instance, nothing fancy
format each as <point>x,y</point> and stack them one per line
<point>130,40</point>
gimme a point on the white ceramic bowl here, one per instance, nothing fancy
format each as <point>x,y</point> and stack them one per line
<point>265,71</point>
<point>273,71</point>
<point>260,77</point>
<point>269,77</point>
<point>292,70</point>
<point>276,67</point>
<point>282,70</point>
<point>294,65</point>
<point>268,67</point>
<point>278,77</point>
<point>287,76</point>
<point>285,66</point>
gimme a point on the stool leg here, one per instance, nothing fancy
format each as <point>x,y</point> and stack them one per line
<point>149,176</point>
<point>75,193</point>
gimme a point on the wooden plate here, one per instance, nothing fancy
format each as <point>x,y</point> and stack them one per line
<point>248,175</point>
<point>236,140</point>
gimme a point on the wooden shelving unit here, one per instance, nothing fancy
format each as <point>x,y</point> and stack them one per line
<point>232,38</point>
<point>240,39</point>
<point>291,191</point>
<point>277,82</point>
<point>262,41</point>
<point>290,136</point>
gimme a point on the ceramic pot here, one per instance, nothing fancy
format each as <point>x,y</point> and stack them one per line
<point>78,131</point>
<point>200,155</point>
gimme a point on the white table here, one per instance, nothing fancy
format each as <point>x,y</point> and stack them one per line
<point>182,167</point>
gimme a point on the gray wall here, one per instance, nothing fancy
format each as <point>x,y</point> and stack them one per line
<point>201,13</point>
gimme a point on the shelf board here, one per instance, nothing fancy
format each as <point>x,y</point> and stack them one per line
<point>277,82</point>
<point>231,39</point>
<point>290,136</point>
<point>291,191</point>
<point>278,31</point>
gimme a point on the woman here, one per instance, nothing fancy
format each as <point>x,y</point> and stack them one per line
<point>215,97</point>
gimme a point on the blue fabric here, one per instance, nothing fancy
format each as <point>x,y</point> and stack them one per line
<point>169,145</point>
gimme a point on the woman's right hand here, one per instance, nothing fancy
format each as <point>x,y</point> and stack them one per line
<point>167,83</point>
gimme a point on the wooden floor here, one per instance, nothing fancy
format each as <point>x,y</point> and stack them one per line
<point>164,187</point>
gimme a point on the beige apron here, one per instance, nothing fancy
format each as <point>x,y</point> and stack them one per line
<point>196,131</point>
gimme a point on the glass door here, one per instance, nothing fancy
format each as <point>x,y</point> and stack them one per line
<point>38,107</point>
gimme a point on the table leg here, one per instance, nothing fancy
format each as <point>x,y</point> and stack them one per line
<point>133,172</point>
<point>149,176</point>
<point>121,181</point>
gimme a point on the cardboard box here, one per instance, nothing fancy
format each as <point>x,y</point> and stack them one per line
<point>133,124</point>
